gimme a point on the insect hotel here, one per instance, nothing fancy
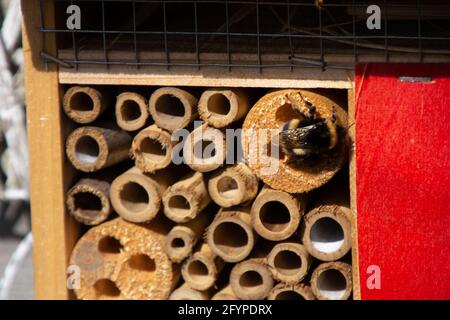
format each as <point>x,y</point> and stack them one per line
<point>239,149</point>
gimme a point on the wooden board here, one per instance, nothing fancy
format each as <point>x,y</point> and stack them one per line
<point>54,232</point>
<point>214,76</point>
<point>352,184</point>
<point>403,180</point>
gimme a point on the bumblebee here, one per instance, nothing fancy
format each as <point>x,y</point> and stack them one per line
<point>309,139</point>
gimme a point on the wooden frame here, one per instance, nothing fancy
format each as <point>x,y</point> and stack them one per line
<point>54,231</point>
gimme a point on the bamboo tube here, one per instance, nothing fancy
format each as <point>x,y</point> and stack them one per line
<point>172,108</point>
<point>251,279</point>
<point>297,291</point>
<point>270,113</point>
<point>184,200</point>
<point>93,148</point>
<point>201,270</point>
<point>88,201</point>
<point>85,104</point>
<point>326,232</point>
<point>136,196</point>
<point>332,281</point>
<point>221,107</point>
<point>121,260</point>
<point>184,292</point>
<point>276,214</point>
<point>152,149</point>
<point>205,149</point>
<point>289,262</point>
<point>225,294</point>
<point>230,235</point>
<point>233,185</point>
<point>131,111</point>
<point>180,241</point>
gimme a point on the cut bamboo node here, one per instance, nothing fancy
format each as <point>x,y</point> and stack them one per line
<point>332,281</point>
<point>184,200</point>
<point>264,156</point>
<point>184,292</point>
<point>326,232</point>
<point>221,107</point>
<point>205,149</point>
<point>136,196</point>
<point>120,260</point>
<point>84,104</point>
<point>230,235</point>
<point>225,294</point>
<point>276,214</point>
<point>289,262</point>
<point>180,241</point>
<point>297,291</point>
<point>93,148</point>
<point>202,269</point>
<point>251,279</point>
<point>172,108</point>
<point>233,185</point>
<point>88,201</point>
<point>152,149</point>
<point>131,111</point>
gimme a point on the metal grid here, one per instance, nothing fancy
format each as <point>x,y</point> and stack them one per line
<point>247,34</point>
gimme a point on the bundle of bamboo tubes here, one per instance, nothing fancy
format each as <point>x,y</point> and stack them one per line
<point>207,227</point>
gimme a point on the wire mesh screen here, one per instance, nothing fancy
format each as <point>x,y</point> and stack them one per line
<point>251,34</point>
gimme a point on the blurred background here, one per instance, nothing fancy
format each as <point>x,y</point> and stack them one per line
<point>16,275</point>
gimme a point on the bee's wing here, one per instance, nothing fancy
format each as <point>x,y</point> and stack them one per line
<point>297,138</point>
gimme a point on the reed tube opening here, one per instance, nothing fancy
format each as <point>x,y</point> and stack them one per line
<point>289,262</point>
<point>326,232</point>
<point>172,108</point>
<point>202,269</point>
<point>220,107</point>
<point>233,185</point>
<point>136,196</point>
<point>87,150</point>
<point>152,149</point>
<point>230,237</point>
<point>106,289</point>
<point>184,292</point>
<point>184,200</point>
<point>297,291</point>
<point>179,242</point>
<point>251,280</point>
<point>205,149</point>
<point>225,293</point>
<point>84,104</point>
<point>131,111</point>
<point>276,214</point>
<point>93,148</point>
<point>332,281</point>
<point>88,201</point>
<point>199,273</point>
<point>327,235</point>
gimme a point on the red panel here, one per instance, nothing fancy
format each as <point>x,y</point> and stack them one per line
<point>403,180</point>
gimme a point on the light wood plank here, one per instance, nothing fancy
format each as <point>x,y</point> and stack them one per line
<point>352,164</point>
<point>54,232</point>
